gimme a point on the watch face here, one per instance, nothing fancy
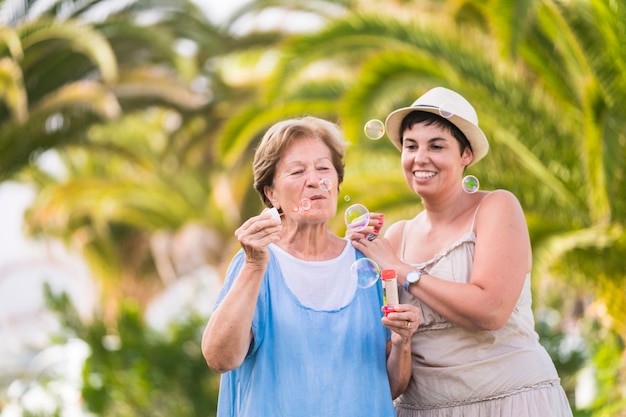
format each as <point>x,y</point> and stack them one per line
<point>412,276</point>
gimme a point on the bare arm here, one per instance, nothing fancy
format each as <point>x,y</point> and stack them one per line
<point>501,261</point>
<point>228,333</point>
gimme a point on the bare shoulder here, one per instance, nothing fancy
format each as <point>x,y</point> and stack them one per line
<point>501,230</point>
<point>499,199</point>
<point>499,204</point>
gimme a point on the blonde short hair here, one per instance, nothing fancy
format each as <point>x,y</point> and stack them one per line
<point>283,133</point>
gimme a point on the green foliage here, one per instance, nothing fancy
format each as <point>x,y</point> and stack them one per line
<point>134,370</point>
<point>567,352</point>
<point>607,348</point>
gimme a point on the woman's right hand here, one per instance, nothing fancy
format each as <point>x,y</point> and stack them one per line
<point>256,233</point>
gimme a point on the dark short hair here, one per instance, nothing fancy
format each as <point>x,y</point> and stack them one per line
<point>428,119</point>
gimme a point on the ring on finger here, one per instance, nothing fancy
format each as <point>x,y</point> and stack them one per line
<point>371,237</point>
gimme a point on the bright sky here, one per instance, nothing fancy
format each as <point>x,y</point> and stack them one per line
<point>13,199</point>
<point>219,10</point>
<point>24,267</point>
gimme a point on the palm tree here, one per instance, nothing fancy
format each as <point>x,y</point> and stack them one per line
<point>145,178</point>
<point>65,80</point>
<point>50,109</point>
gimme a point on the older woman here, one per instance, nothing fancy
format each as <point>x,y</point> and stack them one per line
<point>292,332</point>
<point>465,260</point>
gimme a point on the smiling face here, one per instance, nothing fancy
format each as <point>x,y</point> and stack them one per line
<point>303,164</point>
<point>432,159</point>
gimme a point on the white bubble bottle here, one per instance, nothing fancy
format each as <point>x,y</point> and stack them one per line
<point>389,278</point>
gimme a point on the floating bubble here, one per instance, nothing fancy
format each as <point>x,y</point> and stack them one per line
<point>374,129</point>
<point>365,271</point>
<point>326,184</point>
<point>357,217</point>
<point>470,184</point>
<point>446,111</point>
<point>305,205</point>
<point>346,198</point>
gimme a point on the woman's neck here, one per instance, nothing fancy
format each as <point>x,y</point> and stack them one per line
<point>311,242</point>
<point>447,209</point>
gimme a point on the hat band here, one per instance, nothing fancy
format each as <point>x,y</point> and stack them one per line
<point>426,105</point>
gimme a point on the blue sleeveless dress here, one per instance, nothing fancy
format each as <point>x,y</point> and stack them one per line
<point>305,362</point>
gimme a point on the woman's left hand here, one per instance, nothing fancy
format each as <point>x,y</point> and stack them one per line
<point>403,320</point>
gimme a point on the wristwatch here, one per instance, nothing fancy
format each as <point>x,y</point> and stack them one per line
<point>412,278</point>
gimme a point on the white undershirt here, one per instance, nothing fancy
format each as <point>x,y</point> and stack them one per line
<point>321,285</point>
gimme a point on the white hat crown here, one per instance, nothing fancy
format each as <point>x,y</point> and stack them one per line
<point>449,105</point>
<point>447,102</point>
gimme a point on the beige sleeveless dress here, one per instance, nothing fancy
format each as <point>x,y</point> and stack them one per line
<point>457,372</point>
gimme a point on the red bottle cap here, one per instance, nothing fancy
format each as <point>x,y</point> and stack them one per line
<point>388,274</point>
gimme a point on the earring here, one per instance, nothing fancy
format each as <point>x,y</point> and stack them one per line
<point>470,184</point>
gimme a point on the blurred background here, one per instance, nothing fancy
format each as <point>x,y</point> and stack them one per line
<point>127,129</point>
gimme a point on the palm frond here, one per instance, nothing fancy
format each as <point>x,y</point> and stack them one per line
<point>12,90</point>
<point>76,37</point>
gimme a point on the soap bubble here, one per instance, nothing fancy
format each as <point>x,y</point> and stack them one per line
<point>470,184</point>
<point>326,184</point>
<point>374,129</point>
<point>305,204</point>
<point>446,111</point>
<point>365,271</point>
<point>357,217</point>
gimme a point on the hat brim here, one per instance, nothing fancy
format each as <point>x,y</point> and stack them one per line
<point>475,136</point>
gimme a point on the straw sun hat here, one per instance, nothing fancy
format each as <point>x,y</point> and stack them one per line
<point>450,105</point>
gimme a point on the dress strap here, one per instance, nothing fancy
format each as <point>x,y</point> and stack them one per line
<point>402,242</point>
<point>474,219</point>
